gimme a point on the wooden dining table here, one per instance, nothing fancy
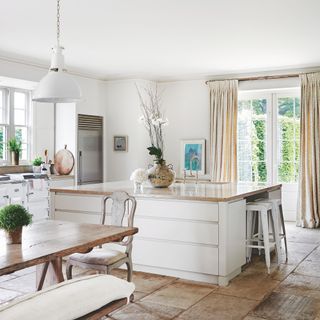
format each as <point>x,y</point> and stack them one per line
<point>45,243</point>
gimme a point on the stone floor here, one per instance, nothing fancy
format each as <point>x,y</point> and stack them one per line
<point>291,291</point>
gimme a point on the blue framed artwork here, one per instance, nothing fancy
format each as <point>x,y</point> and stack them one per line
<point>192,156</point>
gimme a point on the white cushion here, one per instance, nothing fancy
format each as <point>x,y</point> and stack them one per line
<point>68,300</point>
<point>100,256</point>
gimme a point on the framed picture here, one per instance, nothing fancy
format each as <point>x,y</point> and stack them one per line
<point>193,157</point>
<point>120,143</point>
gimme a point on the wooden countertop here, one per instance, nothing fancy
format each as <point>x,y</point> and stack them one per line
<point>215,192</point>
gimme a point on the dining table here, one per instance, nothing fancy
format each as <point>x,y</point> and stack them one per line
<point>45,243</point>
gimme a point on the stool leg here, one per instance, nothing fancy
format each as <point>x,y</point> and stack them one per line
<point>276,233</point>
<point>283,231</point>
<point>259,234</point>
<point>265,230</point>
<point>249,234</point>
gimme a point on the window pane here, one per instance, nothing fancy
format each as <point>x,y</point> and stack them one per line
<point>287,172</point>
<point>252,140</point>
<point>21,134</point>
<point>19,100</point>
<point>3,140</point>
<point>245,172</point>
<point>24,154</point>
<point>288,138</point>
<point>259,106</point>
<point>19,117</point>
<point>244,150</point>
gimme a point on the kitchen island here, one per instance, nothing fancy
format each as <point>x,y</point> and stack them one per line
<point>192,231</point>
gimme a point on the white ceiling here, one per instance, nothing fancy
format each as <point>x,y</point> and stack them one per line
<point>165,39</point>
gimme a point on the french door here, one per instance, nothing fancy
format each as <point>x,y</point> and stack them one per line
<point>269,141</point>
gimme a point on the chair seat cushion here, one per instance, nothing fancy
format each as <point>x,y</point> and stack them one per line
<point>68,300</point>
<point>99,256</point>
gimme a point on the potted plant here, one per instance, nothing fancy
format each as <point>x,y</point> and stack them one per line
<point>12,218</point>
<point>37,165</point>
<point>14,146</point>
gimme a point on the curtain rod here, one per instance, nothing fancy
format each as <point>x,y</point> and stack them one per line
<point>283,76</point>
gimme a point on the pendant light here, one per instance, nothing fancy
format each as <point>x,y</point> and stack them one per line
<point>57,86</point>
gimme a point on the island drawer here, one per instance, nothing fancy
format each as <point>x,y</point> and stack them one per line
<point>178,209</point>
<point>192,258</point>
<point>178,230</point>
<point>78,203</point>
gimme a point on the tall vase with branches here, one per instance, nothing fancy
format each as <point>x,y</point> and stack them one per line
<point>153,120</point>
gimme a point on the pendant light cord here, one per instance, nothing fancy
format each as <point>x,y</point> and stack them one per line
<point>58,23</point>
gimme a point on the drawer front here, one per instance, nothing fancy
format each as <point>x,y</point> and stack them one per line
<point>192,258</point>
<point>178,230</point>
<point>77,217</point>
<point>186,210</point>
<point>78,203</point>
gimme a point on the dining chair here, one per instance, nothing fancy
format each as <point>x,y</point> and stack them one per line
<point>104,259</point>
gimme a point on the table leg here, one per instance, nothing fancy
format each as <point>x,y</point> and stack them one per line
<point>49,273</point>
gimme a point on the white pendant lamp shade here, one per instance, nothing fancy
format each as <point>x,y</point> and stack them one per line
<point>57,86</point>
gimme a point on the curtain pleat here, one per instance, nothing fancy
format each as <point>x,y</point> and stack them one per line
<point>223,130</point>
<point>308,210</point>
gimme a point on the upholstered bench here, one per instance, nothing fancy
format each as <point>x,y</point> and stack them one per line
<point>90,297</point>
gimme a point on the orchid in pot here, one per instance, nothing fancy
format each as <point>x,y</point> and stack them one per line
<point>160,175</point>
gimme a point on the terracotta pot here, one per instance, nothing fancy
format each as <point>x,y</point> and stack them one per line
<point>14,236</point>
<point>161,175</point>
<point>14,158</point>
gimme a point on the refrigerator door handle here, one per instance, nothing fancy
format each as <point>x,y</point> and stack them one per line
<point>80,166</point>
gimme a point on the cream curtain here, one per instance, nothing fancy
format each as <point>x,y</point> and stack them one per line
<point>308,213</point>
<point>223,130</point>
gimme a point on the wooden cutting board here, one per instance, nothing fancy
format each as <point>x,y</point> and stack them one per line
<point>63,161</point>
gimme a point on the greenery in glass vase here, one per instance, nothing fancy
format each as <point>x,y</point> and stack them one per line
<point>153,120</point>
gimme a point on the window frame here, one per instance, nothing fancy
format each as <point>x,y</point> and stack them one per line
<point>272,145</point>
<point>9,124</point>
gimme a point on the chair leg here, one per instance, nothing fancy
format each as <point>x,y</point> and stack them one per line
<point>259,233</point>
<point>283,231</point>
<point>69,267</point>
<point>265,230</point>
<point>129,268</point>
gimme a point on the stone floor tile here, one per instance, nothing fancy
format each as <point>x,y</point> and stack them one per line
<point>253,318</point>
<point>7,295</point>
<point>139,295</point>
<point>281,306</point>
<point>302,235</point>
<point>309,268</point>
<point>248,285</point>
<point>315,255</point>
<point>300,285</point>
<point>146,311</point>
<point>219,307</point>
<point>23,284</point>
<point>179,294</point>
<point>147,282</point>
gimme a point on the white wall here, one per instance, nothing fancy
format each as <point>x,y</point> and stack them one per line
<point>122,113</point>
<point>186,105</point>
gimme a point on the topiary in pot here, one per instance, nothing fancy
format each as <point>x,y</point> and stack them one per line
<point>12,218</point>
<point>37,165</point>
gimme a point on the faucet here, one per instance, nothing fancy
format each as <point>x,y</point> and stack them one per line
<point>197,159</point>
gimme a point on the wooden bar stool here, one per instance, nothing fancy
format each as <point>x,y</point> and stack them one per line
<point>277,208</point>
<point>261,211</point>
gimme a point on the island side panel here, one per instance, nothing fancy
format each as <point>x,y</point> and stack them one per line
<point>232,239</point>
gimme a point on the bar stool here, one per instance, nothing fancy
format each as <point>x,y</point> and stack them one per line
<point>277,207</point>
<point>261,211</point>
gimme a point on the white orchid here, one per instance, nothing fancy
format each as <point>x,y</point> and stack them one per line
<point>139,175</point>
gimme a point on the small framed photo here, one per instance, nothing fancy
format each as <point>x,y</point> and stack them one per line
<point>120,143</point>
<point>193,157</point>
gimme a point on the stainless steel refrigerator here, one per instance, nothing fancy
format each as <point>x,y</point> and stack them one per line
<point>90,149</point>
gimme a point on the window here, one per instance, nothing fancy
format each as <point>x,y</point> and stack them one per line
<point>268,136</point>
<point>14,121</point>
